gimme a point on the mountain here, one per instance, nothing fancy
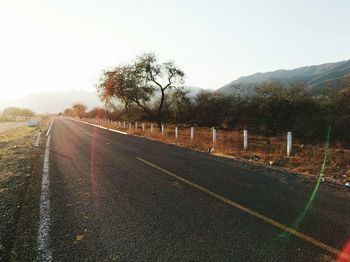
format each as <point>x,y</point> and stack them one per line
<point>193,90</point>
<point>54,102</point>
<point>317,77</point>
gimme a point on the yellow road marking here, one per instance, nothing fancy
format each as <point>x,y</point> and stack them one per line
<point>253,213</point>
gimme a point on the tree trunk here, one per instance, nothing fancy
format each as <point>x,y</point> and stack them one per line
<point>160,116</point>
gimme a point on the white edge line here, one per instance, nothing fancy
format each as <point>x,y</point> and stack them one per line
<point>37,141</point>
<point>44,252</point>
<point>48,131</point>
<point>102,127</point>
<point>117,131</point>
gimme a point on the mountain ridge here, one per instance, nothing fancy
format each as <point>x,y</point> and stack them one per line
<point>317,78</point>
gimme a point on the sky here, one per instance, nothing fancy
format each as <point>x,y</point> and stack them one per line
<point>50,45</point>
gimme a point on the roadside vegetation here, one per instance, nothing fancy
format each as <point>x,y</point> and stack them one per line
<point>146,90</point>
<point>16,114</point>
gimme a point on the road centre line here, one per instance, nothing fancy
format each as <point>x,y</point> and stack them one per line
<point>253,213</point>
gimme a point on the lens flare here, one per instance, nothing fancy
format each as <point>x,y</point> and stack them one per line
<point>93,169</point>
<point>344,256</point>
<point>296,224</point>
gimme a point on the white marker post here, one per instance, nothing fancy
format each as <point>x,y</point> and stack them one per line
<point>214,135</point>
<point>176,132</point>
<point>143,127</point>
<point>151,128</point>
<point>119,124</point>
<point>129,125</point>
<point>245,139</point>
<point>124,124</point>
<point>289,143</point>
<point>162,129</point>
<point>192,133</point>
<point>135,125</point>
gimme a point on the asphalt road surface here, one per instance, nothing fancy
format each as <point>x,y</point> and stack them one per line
<point>111,196</point>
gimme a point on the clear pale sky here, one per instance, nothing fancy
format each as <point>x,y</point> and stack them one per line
<point>53,45</point>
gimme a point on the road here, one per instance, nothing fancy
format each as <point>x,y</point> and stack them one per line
<point>118,197</point>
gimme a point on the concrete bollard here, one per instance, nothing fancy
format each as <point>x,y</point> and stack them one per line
<point>143,127</point>
<point>124,124</point>
<point>214,135</point>
<point>289,143</point>
<point>151,128</point>
<point>245,139</point>
<point>162,129</point>
<point>176,132</point>
<point>192,132</point>
<point>129,125</point>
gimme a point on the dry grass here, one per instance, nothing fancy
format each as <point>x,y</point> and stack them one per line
<point>305,158</point>
<point>16,162</point>
<point>15,134</point>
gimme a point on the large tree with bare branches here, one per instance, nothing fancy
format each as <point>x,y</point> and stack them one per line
<point>145,83</point>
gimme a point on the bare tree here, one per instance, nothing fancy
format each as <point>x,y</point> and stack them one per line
<point>145,83</point>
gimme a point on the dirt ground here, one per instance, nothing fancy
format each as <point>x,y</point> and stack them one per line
<point>17,158</point>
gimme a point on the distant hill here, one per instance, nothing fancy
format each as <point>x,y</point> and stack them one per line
<point>193,90</point>
<point>53,102</point>
<point>317,77</point>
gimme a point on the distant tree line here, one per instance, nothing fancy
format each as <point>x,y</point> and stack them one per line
<point>12,113</point>
<point>146,90</point>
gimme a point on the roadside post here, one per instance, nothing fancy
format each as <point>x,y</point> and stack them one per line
<point>151,128</point>
<point>176,132</point>
<point>245,139</point>
<point>192,133</point>
<point>214,136</point>
<point>143,127</point>
<point>162,129</point>
<point>129,125</point>
<point>289,143</point>
<point>135,125</point>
